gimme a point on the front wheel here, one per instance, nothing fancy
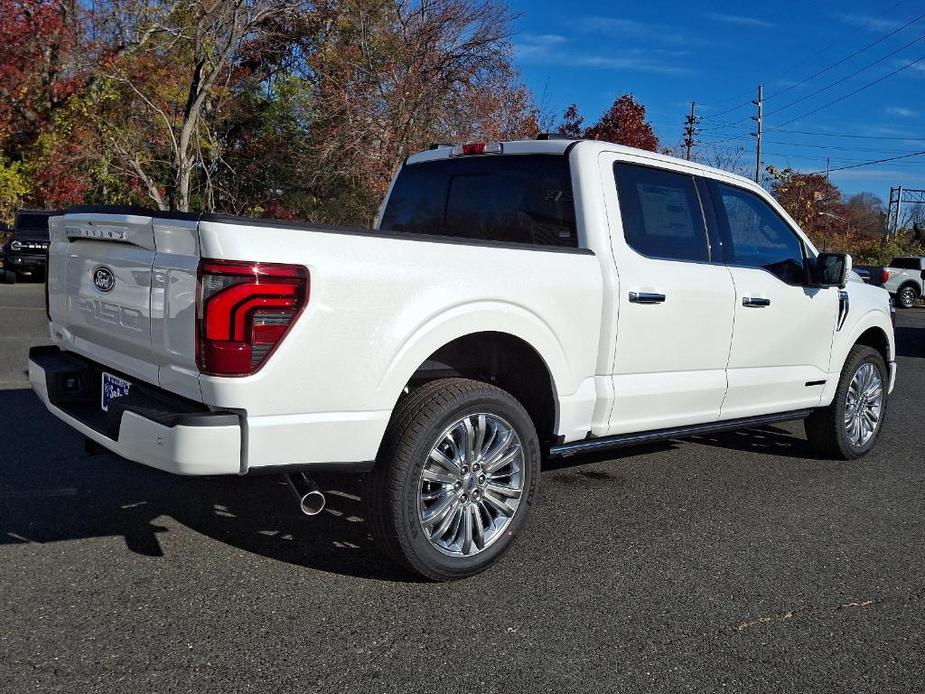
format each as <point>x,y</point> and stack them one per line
<point>455,479</point>
<point>848,428</point>
<point>907,296</point>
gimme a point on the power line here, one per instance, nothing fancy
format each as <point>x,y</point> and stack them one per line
<point>832,148</point>
<point>829,86</point>
<point>849,57</point>
<point>838,148</point>
<point>828,67</point>
<point>851,135</point>
<point>850,94</point>
<point>871,163</point>
<point>846,77</point>
<point>834,43</point>
<point>799,155</point>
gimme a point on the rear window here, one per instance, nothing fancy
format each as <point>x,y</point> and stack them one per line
<point>906,263</point>
<point>518,199</point>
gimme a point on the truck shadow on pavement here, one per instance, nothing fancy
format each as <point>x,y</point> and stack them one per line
<point>51,491</point>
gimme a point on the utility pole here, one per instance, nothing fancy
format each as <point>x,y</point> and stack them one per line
<point>757,134</point>
<point>690,129</point>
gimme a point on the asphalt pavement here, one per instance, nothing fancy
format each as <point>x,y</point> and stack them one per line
<point>736,562</point>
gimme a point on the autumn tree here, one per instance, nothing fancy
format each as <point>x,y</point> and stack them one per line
<point>265,107</point>
<point>171,65</point>
<point>37,66</point>
<point>572,123</point>
<point>389,77</point>
<point>40,70</point>
<point>624,123</point>
<point>867,214</point>
<point>813,201</point>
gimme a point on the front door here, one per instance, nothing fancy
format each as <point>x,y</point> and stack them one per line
<point>675,305</point>
<point>783,328</point>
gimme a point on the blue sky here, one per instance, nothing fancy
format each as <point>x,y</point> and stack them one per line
<point>668,53</point>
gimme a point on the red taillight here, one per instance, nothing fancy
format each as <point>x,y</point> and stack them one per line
<point>243,311</point>
<point>884,275</point>
<point>477,148</point>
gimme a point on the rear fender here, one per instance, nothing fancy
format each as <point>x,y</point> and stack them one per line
<point>476,317</point>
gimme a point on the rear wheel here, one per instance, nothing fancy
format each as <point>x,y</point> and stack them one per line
<point>456,477</point>
<point>907,296</point>
<point>848,428</point>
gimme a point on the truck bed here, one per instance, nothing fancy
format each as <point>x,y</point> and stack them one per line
<point>379,304</point>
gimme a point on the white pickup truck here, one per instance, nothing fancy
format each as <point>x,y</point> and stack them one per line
<point>514,300</point>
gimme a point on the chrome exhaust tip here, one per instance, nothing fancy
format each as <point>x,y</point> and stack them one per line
<point>311,500</point>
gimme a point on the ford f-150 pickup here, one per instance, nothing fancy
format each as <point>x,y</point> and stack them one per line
<point>512,301</point>
<point>903,278</point>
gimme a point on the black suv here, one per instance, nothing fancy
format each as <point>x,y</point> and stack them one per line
<point>25,250</point>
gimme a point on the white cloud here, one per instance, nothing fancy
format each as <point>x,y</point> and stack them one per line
<point>869,22</point>
<point>553,49</point>
<point>912,67</point>
<point>537,45</point>
<point>901,111</point>
<point>739,20</point>
<point>631,29</point>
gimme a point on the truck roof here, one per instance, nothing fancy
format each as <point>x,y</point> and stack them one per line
<point>562,145</point>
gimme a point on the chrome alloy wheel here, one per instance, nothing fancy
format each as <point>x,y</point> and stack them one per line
<point>864,405</point>
<point>471,484</point>
<point>907,297</point>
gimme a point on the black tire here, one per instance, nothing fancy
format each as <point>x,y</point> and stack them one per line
<point>9,277</point>
<point>391,491</point>
<point>825,427</point>
<point>907,296</point>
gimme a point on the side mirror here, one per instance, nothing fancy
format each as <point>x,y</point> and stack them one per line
<point>831,269</point>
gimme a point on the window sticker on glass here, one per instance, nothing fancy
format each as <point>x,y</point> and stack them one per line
<point>666,211</point>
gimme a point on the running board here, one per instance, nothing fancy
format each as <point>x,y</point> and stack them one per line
<point>620,440</point>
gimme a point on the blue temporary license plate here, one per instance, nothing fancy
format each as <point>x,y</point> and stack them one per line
<point>113,387</point>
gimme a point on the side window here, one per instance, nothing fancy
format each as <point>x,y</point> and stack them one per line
<point>756,236</point>
<point>661,212</point>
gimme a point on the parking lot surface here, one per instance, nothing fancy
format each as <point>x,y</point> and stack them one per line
<point>734,562</point>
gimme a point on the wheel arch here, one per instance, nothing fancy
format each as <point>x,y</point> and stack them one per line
<point>873,329</point>
<point>503,360</point>
<point>876,338</point>
<point>488,339</point>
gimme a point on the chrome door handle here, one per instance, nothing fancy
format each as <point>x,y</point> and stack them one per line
<point>646,298</point>
<point>755,302</point>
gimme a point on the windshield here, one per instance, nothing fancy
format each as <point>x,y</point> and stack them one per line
<point>520,199</point>
<point>32,225</point>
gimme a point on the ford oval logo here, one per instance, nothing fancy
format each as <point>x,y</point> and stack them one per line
<point>103,279</point>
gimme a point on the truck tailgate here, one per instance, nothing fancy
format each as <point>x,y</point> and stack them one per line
<point>122,292</point>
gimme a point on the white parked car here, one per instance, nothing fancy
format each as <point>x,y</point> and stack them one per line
<point>513,300</point>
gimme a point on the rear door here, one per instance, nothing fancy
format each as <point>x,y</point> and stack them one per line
<point>675,304</point>
<point>783,328</point>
